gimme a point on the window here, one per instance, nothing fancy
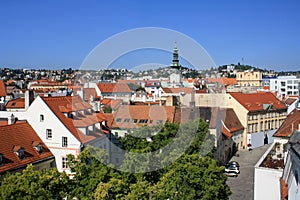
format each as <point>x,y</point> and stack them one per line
<point>64,141</point>
<point>38,147</point>
<point>64,162</point>
<point>49,134</point>
<point>116,134</point>
<point>118,120</point>
<point>41,118</point>
<point>127,120</point>
<point>1,159</point>
<point>19,151</point>
<point>134,120</point>
<point>143,121</point>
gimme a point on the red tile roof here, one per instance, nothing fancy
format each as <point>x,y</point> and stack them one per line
<point>57,103</point>
<point>178,90</point>
<point>88,93</point>
<point>231,122</point>
<point>203,91</point>
<point>223,80</point>
<point>16,103</point>
<point>2,89</point>
<point>290,100</point>
<point>140,112</point>
<point>21,135</point>
<point>113,87</point>
<point>111,103</point>
<point>289,125</point>
<point>284,190</point>
<point>258,101</point>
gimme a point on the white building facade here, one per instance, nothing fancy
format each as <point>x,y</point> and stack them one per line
<point>285,86</point>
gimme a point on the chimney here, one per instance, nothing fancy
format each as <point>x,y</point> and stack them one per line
<point>11,119</point>
<point>28,98</point>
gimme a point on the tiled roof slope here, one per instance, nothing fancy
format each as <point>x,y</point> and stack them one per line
<point>290,101</point>
<point>16,103</point>
<point>141,112</point>
<point>22,135</point>
<point>113,87</point>
<point>289,125</point>
<point>231,122</point>
<point>223,80</point>
<point>258,101</point>
<point>178,90</point>
<point>2,89</point>
<point>71,103</point>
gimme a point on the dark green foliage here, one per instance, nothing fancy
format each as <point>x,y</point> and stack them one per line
<point>193,175</point>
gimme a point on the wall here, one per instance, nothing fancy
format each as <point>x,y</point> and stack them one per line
<point>266,180</point>
<point>267,183</point>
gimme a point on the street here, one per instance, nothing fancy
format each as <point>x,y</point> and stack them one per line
<point>242,187</point>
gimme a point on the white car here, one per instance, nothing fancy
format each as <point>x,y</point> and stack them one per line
<point>232,169</point>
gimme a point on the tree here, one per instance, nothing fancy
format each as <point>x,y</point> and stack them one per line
<point>192,177</point>
<point>33,184</point>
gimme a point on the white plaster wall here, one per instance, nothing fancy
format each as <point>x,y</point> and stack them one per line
<point>267,183</point>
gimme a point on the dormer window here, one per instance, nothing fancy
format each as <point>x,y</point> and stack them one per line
<point>19,151</point>
<point>37,146</point>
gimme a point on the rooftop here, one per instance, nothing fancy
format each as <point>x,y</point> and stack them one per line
<point>23,136</point>
<point>2,89</point>
<point>258,101</point>
<point>106,87</point>
<point>290,124</point>
<point>60,105</point>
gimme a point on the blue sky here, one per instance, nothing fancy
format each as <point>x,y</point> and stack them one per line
<point>57,34</point>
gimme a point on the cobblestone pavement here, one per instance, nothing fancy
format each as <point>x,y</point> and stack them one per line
<point>242,187</point>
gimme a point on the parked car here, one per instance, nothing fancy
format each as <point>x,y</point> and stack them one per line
<point>232,164</point>
<point>231,174</point>
<point>232,169</point>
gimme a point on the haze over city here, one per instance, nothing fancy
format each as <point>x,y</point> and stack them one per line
<point>60,34</point>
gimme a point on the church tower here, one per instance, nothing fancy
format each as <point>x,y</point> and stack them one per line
<point>175,61</point>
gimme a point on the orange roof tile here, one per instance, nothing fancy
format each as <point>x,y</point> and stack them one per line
<point>284,190</point>
<point>289,125</point>
<point>56,104</point>
<point>231,122</point>
<point>16,103</point>
<point>257,101</point>
<point>178,90</point>
<point>113,87</point>
<point>203,91</point>
<point>223,80</point>
<point>21,135</point>
<point>2,89</point>
<point>125,115</point>
<point>111,102</point>
<point>88,93</point>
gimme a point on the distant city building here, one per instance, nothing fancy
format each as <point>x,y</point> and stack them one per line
<point>285,86</point>
<point>249,78</point>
